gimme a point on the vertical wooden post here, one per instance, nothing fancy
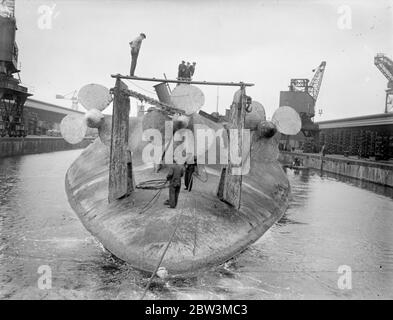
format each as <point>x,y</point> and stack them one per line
<point>229,189</point>
<point>120,165</point>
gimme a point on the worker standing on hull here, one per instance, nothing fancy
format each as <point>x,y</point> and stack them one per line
<point>191,167</point>
<point>135,47</point>
<point>174,176</point>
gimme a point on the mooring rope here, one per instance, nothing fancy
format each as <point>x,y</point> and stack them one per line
<point>155,184</point>
<point>161,184</point>
<point>151,202</point>
<point>162,256</point>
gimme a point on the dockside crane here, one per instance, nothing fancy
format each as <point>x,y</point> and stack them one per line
<point>302,96</point>
<point>312,88</point>
<point>72,96</point>
<point>385,65</point>
<point>12,94</point>
<point>316,81</point>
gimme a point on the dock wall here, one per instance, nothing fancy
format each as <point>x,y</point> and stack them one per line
<point>371,171</point>
<point>32,145</point>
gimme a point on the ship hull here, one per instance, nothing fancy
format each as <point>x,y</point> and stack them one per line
<point>208,231</point>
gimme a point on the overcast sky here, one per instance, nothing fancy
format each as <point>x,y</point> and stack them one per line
<point>263,42</point>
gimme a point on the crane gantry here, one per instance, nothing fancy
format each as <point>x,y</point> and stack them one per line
<point>313,87</point>
<point>385,65</point>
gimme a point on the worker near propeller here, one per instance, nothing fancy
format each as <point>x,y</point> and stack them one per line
<point>135,47</point>
<point>176,172</point>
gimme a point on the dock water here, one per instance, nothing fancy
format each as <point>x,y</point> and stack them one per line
<point>299,257</point>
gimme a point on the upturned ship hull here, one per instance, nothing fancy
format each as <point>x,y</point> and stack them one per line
<point>208,231</point>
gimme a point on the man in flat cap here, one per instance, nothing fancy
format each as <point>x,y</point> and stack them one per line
<point>135,47</point>
<point>181,70</point>
<point>176,172</point>
<point>187,74</point>
<point>192,69</point>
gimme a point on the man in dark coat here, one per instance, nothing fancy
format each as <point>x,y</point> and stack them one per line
<point>191,167</point>
<point>174,176</point>
<point>192,69</point>
<point>181,70</point>
<point>187,74</point>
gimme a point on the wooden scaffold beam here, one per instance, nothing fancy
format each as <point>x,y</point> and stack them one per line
<point>120,165</point>
<point>230,186</point>
<point>208,83</point>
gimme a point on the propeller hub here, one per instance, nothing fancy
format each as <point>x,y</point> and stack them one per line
<point>94,118</point>
<point>94,98</point>
<point>267,129</point>
<point>180,122</point>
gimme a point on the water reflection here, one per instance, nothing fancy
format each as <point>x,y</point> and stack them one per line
<point>331,221</point>
<point>376,188</point>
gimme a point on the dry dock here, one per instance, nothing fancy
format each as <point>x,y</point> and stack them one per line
<point>366,170</point>
<point>37,144</point>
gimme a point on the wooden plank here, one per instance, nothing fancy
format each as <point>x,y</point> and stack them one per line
<point>120,165</point>
<point>208,83</point>
<point>231,189</point>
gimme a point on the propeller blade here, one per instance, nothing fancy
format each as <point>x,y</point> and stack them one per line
<point>94,96</point>
<point>256,116</point>
<point>287,120</point>
<point>94,118</point>
<point>73,128</point>
<point>188,98</point>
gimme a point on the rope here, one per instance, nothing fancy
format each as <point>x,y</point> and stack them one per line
<point>162,256</point>
<point>140,87</point>
<point>156,184</point>
<point>151,202</point>
<point>160,184</point>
